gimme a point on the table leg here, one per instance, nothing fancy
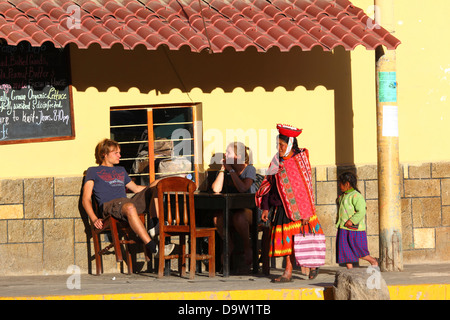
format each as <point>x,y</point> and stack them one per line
<point>254,232</point>
<point>226,245</point>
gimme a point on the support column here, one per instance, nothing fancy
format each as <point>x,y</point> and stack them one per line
<point>389,200</point>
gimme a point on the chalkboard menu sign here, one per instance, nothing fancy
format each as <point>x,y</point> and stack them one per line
<point>35,94</point>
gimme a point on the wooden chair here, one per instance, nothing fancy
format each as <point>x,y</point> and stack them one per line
<point>175,193</point>
<point>121,234</point>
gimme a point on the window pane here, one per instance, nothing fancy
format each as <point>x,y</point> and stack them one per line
<point>129,129</point>
<point>173,131</point>
<point>128,117</point>
<point>172,115</point>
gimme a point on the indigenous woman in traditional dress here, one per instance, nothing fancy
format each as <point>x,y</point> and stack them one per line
<point>288,193</point>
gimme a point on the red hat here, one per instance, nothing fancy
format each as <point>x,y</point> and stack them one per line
<point>288,131</point>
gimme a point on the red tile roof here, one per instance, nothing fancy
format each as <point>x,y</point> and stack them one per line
<point>238,24</point>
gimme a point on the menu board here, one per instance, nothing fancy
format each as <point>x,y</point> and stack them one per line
<point>35,94</point>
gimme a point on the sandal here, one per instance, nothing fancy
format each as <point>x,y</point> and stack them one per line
<point>313,273</point>
<point>281,280</point>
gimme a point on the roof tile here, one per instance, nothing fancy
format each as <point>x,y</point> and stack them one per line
<point>233,23</point>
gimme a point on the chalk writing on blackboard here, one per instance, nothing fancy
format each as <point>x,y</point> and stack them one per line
<point>35,99</point>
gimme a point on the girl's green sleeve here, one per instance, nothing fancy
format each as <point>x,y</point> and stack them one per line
<point>360,209</point>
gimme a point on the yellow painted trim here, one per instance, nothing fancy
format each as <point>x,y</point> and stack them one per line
<point>420,292</point>
<point>397,292</point>
<point>266,294</point>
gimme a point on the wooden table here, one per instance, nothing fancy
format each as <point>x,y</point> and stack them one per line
<point>227,202</point>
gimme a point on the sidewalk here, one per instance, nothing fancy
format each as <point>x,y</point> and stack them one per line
<point>415,282</point>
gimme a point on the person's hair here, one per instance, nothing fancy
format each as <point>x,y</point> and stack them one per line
<point>239,149</point>
<point>103,148</point>
<point>349,177</point>
<point>294,143</point>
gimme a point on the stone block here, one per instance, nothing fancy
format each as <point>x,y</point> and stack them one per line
<point>82,230</point>
<point>327,217</point>
<point>424,238</point>
<point>69,186</point>
<point>3,231</point>
<point>418,256</point>
<point>443,244</point>
<point>314,179</point>
<point>445,192</point>
<point>422,171</point>
<point>407,224</point>
<point>58,245</point>
<point>372,224</point>
<point>21,259</point>
<point>371,187</point>
<point>11,191</point>
<point>367,172</point>
<point>321,173</point>
<point>446,216</point>
<point>11,211</point>
<point>67,207</point>
<point>440,170</point>
<point>327,192</point>
<point>426,212</point>
<point>330,256</point>
<point>82,257</point>
<point>422,188</point>
<point>38,198</point>
<point>360,284</point>
<point>373,244</point>
<point>23,231</point>
<point>334,172</point>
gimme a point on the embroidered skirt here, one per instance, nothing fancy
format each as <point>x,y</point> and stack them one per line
<point>284,229</point>
<point>351,245</point>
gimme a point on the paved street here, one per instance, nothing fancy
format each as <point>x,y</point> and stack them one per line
<point>421,281</point>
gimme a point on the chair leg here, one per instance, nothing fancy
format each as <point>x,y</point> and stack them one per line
<point>182,256</point>
<point>128,256</point>
<point>115,240</point>
<point>193,256</point>
<point>97,255</point>
<point>212,259</point>
<point>162,260</point>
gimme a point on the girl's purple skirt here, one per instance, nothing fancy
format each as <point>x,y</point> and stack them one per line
<point>351,245</point>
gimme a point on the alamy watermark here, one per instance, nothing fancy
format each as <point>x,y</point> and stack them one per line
<point>372,22</point>
<point>74,280</point>
<point>74,19</point>
<point>374,280</point>
<point>261,144</point>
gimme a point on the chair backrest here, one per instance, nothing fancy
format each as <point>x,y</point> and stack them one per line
<point>176,201</point>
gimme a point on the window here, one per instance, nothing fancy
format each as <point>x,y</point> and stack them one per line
<point>158,141</point>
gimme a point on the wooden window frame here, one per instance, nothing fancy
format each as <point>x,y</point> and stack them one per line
<point>197,116</point>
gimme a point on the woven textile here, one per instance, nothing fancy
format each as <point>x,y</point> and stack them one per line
<point>283,232</point>
<point>310,250</point>
<point>293,180</point>
<point>351,245</point>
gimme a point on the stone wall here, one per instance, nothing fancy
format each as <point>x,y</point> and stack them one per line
<point>425,204</point>
<point>43,232</point>
<point>41,228</point>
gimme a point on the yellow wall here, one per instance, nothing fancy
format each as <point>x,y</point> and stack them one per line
<point>330,95</point>
<point>424,80</point>
<point>423,75</point>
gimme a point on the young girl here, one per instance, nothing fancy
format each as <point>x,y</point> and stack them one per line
<point>351,239</point>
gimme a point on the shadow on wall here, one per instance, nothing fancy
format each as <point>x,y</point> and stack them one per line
<point>163,70</point>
